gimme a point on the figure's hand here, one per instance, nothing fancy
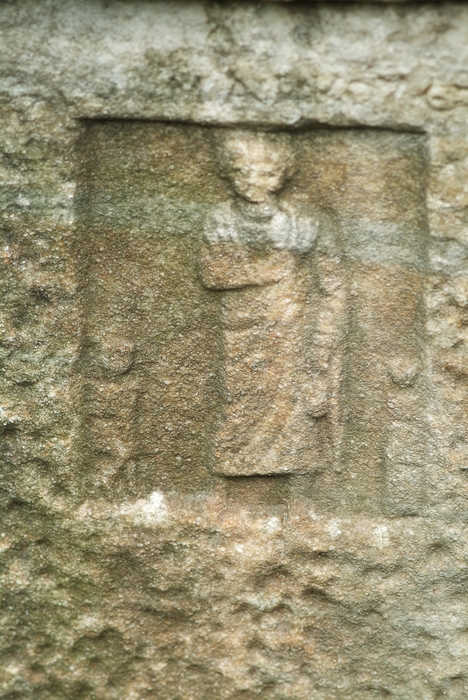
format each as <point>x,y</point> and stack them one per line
<point>404,370</point>
<point>232,266</point>
<point>316,399</point>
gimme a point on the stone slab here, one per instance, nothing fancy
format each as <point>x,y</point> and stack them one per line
<point>175,524</point>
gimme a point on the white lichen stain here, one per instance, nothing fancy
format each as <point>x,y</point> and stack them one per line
<point>272,524</point>
<point>334,528</point>
<point>91,623</point>
<point>381,536</point>
<point>146,511</point>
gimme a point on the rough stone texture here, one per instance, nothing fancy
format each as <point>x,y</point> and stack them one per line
<point>132,565</point>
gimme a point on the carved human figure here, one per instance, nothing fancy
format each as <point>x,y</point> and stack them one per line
<point>256,254</point>
<point>381,210</point>
<point>111,395</point>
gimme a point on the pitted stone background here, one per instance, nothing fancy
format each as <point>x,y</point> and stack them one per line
<point>246,589</point>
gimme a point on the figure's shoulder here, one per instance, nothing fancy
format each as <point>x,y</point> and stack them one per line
<point>221,212</point>
<point>220,222</point>
<point>303,224</point>
<point>309,223</point>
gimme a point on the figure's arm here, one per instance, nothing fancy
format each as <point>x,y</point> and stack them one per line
<point>232,266</point>
<point>226,262</point>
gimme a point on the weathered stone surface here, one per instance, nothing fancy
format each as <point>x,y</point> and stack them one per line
<point>233,350</point>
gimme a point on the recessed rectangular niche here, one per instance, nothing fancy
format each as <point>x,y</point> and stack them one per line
<point>253,306</point>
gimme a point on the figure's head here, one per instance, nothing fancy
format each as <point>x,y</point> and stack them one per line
<point>257,164</point>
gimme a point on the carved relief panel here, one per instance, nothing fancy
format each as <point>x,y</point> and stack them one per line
<point>255,307</point>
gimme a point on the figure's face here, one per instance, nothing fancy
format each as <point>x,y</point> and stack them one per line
<point>257,168</point>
